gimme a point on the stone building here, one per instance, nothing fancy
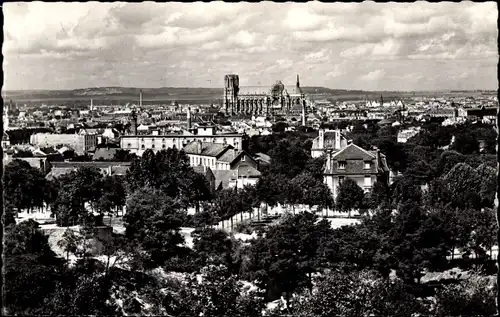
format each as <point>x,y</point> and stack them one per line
<point>275,100</point>
<point>362,166</point>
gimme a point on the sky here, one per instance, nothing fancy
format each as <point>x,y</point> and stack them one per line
<point>368,46</point>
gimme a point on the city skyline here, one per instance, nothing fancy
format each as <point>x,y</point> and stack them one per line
<point>366,46</point>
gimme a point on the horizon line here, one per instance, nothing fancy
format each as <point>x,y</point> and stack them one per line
<point>194,87</point>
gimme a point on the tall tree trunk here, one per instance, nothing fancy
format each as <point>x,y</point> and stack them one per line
<point>498,212</point>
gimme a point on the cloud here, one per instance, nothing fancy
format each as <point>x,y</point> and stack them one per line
<point>138,42</point>
<point>374,75</point>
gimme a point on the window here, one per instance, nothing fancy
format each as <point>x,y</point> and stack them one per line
<point>341,165</point>
<point>142,139</point>
<point>341,179</point>
<point>142,146</point>
<point>164,146</point>
<point>129,145</point>
<point>163,140</point>
<point>368,165</point>
<point>243,158</point>
<point>368,180</point>
<point>153,146</point>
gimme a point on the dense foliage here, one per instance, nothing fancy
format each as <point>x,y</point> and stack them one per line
<point>439,206</point>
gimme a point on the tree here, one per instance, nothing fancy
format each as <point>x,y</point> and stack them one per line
<point>380,194</point>
<point>77,190</point>
<point>418,241</point>
<point>487,191</point>
<point>170,172</point>
<point>152,222</point>
<point>30,269</point>
<point>340,293</point>
<point>464,185</point>
<point>22,185</point>
<point>350,196</point>
<point>306,189</point>
<point>405,190</point>
<point>122,155</point>
<point>214,293</point>
<point>69,242</point>
<point>113,195</point>
<point>287,256</point>
<point>287,159</point>
<point>465,143</point>
<point>213,247</point>
<point>437,194</point>
<point>471,297</point>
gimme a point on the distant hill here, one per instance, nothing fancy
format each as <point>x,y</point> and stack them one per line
<point>166,94</point>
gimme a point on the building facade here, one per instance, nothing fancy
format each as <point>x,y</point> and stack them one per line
<point>81,143</point>
<point>217,156</point>
<point>139,143</point>
<point>364,167</point>
<point>262,100</point>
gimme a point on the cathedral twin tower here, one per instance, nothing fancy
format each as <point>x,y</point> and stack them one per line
<point>261,100</point>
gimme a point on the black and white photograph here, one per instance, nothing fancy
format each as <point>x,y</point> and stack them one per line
<point>218,159</point>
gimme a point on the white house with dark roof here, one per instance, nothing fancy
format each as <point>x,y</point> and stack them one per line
<point>217,156</point>
<point>364,167</point>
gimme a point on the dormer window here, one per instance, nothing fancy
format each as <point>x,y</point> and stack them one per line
<point>243,158</point>
<point>368,165</point>
<point>342,165</point>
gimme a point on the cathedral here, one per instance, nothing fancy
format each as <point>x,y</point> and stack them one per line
<point>262,101</point>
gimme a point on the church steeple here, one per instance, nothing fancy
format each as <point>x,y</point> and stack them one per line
<point>298,83</point>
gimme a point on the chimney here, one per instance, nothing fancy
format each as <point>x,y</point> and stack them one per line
<point>140,98</point>
<point>91,104</point>
<point>189,118</point>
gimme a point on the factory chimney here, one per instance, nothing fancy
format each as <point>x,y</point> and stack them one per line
<point>140,98</point>
<point>189,118</point>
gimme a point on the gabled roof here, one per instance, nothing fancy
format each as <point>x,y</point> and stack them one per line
<point>245,170</point>
<point>230,156</point>
<point>206,148</point>
<point>355,156</point>
<point>353,152</point>
<point>223,177</point>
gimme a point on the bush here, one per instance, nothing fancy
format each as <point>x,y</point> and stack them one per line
<point>473,297</point>
<point>244,227</point>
